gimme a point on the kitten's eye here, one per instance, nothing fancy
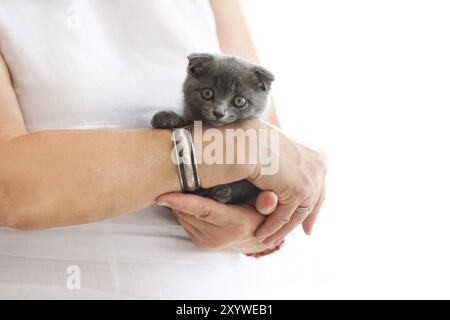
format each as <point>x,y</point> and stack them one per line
<point>207,94</point>
<point>239,101</point>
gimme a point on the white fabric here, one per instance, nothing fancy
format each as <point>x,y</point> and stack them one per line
<point>98,63</point>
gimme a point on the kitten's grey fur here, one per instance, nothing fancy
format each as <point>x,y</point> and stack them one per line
<point>213,92</point>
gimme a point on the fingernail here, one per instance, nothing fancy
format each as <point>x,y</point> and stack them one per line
<point>266,211</point>
<point>268,242</point>
<point>162,203</point>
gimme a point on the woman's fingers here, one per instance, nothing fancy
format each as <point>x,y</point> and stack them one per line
<point>296,220</point>
<point>200,207</point>
<point>278,242</point>
<point>192,231</point>
<point>308,224</point>
<point>275,221</point>
<point>266,202</point>
<point>200,225</point>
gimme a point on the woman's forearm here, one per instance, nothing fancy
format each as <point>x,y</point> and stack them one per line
<point>67,177</point>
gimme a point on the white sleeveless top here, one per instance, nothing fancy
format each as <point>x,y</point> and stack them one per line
<point>96,64</point>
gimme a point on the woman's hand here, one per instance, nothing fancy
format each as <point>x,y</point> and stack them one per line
<point>298,182</point>
<point>297,178</point>
<point>213,225</point>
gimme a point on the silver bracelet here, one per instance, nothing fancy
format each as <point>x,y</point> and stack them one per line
<point>185,158</point>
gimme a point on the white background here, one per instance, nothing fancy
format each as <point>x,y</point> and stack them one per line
<point>368,82</point>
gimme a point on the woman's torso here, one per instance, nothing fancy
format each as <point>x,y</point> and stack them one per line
<point>108,64</point>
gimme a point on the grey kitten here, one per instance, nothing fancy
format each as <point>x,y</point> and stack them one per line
<point>221,90</point>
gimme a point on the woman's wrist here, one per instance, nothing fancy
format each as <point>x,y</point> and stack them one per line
<point>167,167</point>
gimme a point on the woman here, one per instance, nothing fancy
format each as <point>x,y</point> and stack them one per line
<point>88,194</point>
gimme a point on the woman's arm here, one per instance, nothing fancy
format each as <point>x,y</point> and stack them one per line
<point>68,177</point>
<point>235,38</point>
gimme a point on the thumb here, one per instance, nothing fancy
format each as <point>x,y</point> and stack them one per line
<point>202,208</point>
<point>266,202</point>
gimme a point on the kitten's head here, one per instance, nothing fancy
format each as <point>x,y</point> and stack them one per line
<point>223,89</point>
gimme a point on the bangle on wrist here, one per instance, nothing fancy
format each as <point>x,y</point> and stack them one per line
<point>185,159</point>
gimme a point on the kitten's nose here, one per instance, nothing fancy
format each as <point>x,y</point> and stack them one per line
<point>218,114</point>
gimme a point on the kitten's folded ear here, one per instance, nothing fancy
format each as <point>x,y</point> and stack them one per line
<point>198,62</point>
<point>264,76</point>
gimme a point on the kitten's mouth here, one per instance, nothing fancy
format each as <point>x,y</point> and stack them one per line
<point>212,120</point>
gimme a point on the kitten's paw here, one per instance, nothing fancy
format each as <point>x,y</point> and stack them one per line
<point>221,193</point>
<point>167,120</point>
